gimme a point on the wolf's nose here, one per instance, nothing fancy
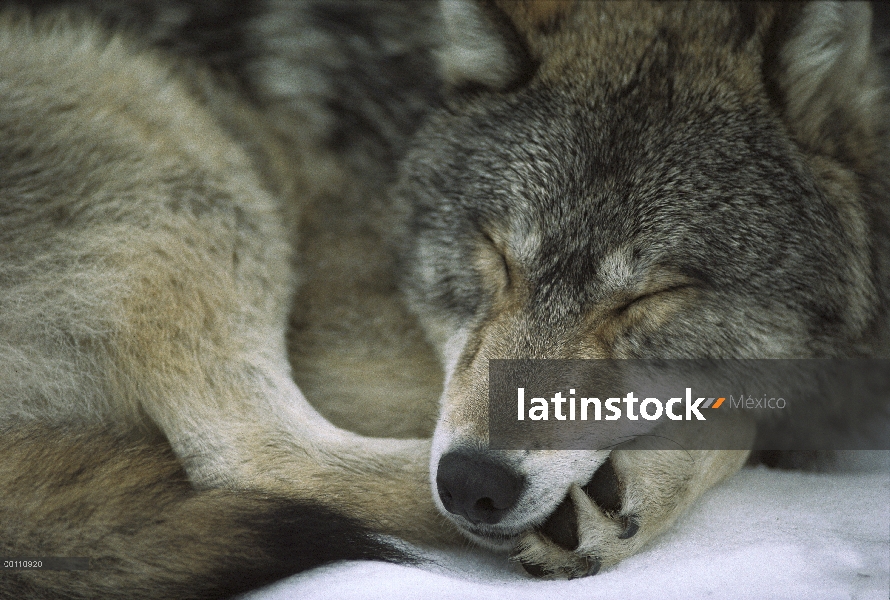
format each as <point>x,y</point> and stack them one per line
<point>476,486</point>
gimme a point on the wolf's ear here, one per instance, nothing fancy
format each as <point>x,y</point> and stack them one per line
<point>829,77</point>
<point>480,46</point>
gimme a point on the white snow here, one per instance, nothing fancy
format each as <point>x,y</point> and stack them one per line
<point>762,534</point>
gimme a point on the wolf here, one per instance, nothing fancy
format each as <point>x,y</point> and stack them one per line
<point>245,246</point>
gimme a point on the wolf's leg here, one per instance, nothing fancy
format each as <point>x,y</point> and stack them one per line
<point>635,496</point>
<point>187,343</point>
<point>198,347</point>
<point>191,341</point>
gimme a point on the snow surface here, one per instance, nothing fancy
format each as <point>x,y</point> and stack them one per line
<point>762,534</point>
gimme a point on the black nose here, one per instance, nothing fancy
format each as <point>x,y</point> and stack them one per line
<point>476,486</point>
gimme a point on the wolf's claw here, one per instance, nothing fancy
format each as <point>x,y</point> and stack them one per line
<point>630,528</point>
<point>562,526</point>
<point>535,570</point>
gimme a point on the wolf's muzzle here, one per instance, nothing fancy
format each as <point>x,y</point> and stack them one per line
<point>477,487</point>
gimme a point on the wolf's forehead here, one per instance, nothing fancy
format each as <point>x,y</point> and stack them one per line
<point>534,243</point>
<point>617,270</point>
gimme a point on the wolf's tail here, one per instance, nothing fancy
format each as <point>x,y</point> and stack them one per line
<point>128,507</point>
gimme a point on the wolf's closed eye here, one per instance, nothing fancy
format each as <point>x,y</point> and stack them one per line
<point>644,299</point>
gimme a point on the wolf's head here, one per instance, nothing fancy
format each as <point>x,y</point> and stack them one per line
<point>620,180</point>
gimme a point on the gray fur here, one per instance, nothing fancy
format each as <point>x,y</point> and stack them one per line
<point>196,218</point>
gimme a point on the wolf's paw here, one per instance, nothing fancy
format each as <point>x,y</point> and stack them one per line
<point>634,496</point>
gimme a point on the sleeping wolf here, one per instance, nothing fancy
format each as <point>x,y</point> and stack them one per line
<point>203,203</point>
